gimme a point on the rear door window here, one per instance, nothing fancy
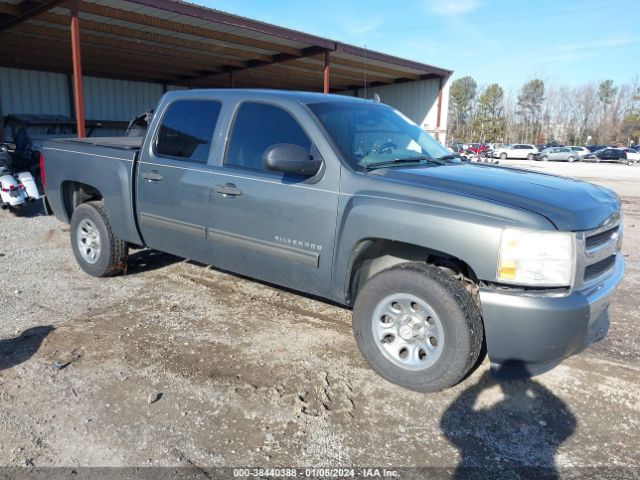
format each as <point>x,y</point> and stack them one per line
<point>186,130</point>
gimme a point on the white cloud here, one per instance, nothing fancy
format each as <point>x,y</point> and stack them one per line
<point>362,26</point>
<point>614,41</point>
<point>452,8</point>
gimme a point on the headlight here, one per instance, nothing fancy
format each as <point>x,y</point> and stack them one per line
<point>536,258</point>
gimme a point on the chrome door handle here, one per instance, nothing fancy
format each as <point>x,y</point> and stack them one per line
<point>152,176</point>
<point>228,190</point>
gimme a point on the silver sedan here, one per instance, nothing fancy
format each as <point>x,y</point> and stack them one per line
<point>563,154</point>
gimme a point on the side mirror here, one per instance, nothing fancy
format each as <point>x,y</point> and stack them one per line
<point>290,158</point>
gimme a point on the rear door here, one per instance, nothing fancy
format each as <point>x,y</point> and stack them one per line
<point>267,225</point>
<point>518,151</point>
<point>174,179</point>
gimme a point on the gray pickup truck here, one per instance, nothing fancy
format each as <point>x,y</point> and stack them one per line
<point>347,199</point>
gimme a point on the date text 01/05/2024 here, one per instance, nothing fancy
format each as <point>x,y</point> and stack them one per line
<point>321,472</point>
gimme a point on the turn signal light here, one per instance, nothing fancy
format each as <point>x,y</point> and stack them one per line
<point>507,270</point>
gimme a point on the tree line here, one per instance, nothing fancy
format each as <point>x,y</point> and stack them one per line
<point>539,112</point>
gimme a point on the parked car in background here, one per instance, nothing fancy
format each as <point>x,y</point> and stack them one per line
<point>581,151</point>
<point>617,155</point>
<point>477,148</point>
<point>518,150</point>
<point>632,154</point>
<point>595,148</point>
<point>456,146</point>
<point>561,154</point>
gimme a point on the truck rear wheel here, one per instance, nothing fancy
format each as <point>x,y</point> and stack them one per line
<point>98,252</point>
<point>418,327</point>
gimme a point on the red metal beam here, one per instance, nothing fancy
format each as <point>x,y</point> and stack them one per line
<point>277,58</point>
<point>77,68</point>
<point>391,60</point>
<point>327,67</point>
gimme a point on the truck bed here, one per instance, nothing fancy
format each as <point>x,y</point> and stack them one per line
<point>105,165</point>
<point>124,143</point>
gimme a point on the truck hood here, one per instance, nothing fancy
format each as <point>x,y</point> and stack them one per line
<point>571,205</point>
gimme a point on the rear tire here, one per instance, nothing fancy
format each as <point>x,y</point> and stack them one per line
<point>418,327</point>
<point>98,252</point>
<point>530,156</point>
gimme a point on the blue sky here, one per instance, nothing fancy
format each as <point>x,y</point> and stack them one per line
<point>505,41</point>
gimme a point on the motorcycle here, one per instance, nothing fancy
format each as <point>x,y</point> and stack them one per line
<point>16,189</point>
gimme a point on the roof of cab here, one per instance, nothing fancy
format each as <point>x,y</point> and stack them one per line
<point>299,96</point>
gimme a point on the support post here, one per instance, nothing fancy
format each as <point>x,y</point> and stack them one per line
<point>327,66</point>
<point>232,82</point>
<point>77,68</point>
<point>439,114</point>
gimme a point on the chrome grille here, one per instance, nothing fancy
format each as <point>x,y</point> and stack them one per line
<point>595,270</point>
<point>597,252</point>
<point>600,239</point>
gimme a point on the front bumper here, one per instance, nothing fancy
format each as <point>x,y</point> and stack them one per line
<point>530,333</point>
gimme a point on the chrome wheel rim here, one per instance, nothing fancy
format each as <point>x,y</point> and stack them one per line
<point>88,241</point>
<point>408,331</point>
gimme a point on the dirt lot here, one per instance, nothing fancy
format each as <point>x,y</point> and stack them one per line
<point>179,364</point>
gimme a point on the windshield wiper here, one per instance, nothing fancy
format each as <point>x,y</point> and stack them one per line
<point>450,156</point>
<point>398,161</point>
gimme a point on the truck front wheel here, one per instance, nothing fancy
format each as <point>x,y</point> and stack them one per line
<point>98,252</point>
<point>418,327</point>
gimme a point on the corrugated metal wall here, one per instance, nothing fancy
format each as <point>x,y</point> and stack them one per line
<point>108,99</point>
<point>32,92</point>
<point>417,100</point>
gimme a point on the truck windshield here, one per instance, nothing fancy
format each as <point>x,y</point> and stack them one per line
<point>371,135</point>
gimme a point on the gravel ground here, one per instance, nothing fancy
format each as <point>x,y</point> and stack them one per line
<point>178,364</point>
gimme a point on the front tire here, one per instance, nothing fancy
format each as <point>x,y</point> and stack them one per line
<point>418,327</point>
<point>545,158</point>
<point>571,159</point>
<point>98,252</point>
<point>503,156</point>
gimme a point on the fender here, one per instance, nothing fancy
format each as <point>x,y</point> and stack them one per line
<point>470,236</point>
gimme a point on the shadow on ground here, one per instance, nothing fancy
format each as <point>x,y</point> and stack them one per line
<point>29,210</point>
<point>14,351</point>
<point>511,429</point>
<point>148,260</point>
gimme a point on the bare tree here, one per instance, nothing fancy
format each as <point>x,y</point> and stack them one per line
<point>541,112</point>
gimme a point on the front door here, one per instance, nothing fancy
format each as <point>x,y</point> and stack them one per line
<point>267,225</point>
<point>174,179</point>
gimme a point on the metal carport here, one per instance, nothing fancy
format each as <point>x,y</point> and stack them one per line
<point>176,43</point>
